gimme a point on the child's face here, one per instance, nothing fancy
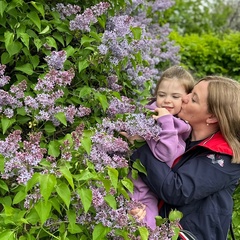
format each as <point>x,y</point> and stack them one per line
<point>169,95</point>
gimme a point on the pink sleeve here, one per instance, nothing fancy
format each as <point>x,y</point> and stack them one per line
<point>171,144</point>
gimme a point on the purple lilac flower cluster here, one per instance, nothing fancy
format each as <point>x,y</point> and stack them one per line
<point>12,99</point>
<point>112,83</point>
<point>67,10</point>
<point>153,44</point>
<point>32,198</point>
<point>89,16</point>
<point>120,106</point>
<point>49,93</point>
<point>3,79</point>
<point>77,135</point>
<point>134,124</point>
<point>108,150</point>
<point>116,219</point>
<point>43,105</point>
<point>20,161</point>
<point>56,60</point>
<point>119,218</point>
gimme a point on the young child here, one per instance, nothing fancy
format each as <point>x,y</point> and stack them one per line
<point>174,83</point>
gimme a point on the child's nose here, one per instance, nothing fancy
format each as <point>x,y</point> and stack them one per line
<point>185,99</point>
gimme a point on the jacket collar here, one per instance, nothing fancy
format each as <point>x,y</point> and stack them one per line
<point>217,143</point>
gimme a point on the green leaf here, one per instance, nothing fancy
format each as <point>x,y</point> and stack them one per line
<point>26,68</point>
<point>38,43</point>
<point>6,58</point>
<point>43,210</point>
<point>113,174</point>
<point>3,185</point>
<point>34,60</point>
<point>103,100</point>
<point>2,163</point>
<point>85,175</point>
<point>49,127</point>
<point>138,165</point>
<point>74,228</point>
<point>51,42</point>
<point>53,148</point>
<point>143,232</point>
<point>7,123</point>
<point>60,116</point>
<point>33,16</point>
<point>14,48</point>
<point>85,91</point>
<point>25,39</point>
<point>64,193</point>
<point>110,199</point>
<point>23,119</point>
<point>95,35</point>
<point>45,30</point>
<point>67,174</point>
<point>47,184</point>
<point>175,215</point>
<point>39,7</point>
<point>70,51</point>
<point>86,198</point>
<point>55,204</point>
<point>8,38</point>
<point>127,183</point>
<point>86,39</point>
<point>100,232</point>
<point>3,5</point>
<point>31,182</point>
<point>137,32</point>
<point>71,217</point>
<point>7,235</point>
<point>21,111</point>
<point>59,37</point>
<point>21,195</point>
<point>82,65</point>
<point>86,143</point>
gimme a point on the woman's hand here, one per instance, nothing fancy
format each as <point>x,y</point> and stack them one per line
<point>131,139</point>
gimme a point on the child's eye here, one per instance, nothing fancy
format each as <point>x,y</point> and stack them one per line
<point>193,100</point>
<point>176,97</point>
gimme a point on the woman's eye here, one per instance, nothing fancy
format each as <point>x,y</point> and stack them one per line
<point>193,100</point>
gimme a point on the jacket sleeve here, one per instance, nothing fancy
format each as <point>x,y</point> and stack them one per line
<point>195,179</point>
<point>168,147</point>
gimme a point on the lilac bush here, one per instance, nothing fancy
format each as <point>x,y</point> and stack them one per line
<point>72,77</point>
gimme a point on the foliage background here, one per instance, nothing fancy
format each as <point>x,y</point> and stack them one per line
<point>62,85</point>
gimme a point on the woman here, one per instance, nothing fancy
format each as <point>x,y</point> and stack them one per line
<point>201,182</point>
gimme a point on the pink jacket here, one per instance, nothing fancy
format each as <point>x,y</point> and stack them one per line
<point>172,137</point>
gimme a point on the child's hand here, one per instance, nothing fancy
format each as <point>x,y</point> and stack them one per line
<point>160,112</point>
<point>131,139</point>
<point>138,213</point>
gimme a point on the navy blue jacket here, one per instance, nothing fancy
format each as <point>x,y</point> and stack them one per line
<point>200,185</point>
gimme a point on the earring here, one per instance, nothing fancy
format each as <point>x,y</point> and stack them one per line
<point>207,124</point>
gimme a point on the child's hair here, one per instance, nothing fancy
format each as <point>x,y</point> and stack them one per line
<point>180,74</point>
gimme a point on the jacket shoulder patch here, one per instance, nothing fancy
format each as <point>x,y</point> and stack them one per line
<point>216,159</point>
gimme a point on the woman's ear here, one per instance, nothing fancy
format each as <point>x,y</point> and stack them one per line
<point>212,119</point>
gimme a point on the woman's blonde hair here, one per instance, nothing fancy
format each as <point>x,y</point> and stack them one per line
<point>180,74</point>
<point>224,102</point>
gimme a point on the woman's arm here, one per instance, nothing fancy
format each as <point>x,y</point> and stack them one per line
<point>195,179</point>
